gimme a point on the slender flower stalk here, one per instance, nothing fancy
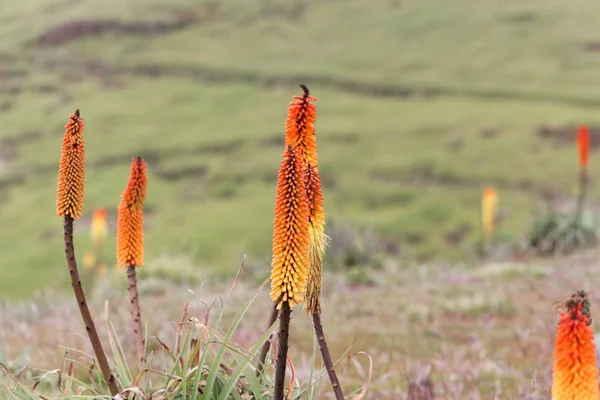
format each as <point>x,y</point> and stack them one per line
<point>575,372</point>
<point>583,144</point>
<point>69,205</point>
<point>489,208</point>
<point>289,266</point>
<point>130,241</point>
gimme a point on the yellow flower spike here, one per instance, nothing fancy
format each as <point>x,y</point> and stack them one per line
<point>99,227</point>
<point>290,233</point>
<point>318,240</point>
<point>489,208</point>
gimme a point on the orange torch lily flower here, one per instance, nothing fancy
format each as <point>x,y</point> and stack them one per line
<point>489,205</point>
<point>289,266</point>
<point>300,129</point>
<point>301,136</point>
<point>130,218</point>
<point>99,227</point>
<point>583,143</point>
<point>575,373</point>
<point>71,172</point>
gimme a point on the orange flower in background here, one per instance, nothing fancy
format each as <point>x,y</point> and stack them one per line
<point>89,260</point>
<point>99,227</point>
<point>583,143</point>
<point>489,206</point>
<point>71,172</point>
<point>130,218</point>
<point>300,129</point>
<point>289,266</point>
<point>318,239</point>
<point>575,373</point>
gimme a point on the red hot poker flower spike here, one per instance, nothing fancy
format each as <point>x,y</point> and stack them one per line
<point>71,172</point>
<point>289,266</point>
<point>575,373</point>
<point>130,218</point>
<point>300,129</point>
<point>583,143</point>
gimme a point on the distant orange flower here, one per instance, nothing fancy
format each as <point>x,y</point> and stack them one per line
<point>71,172</point>
<point>300,129</point>
<point>583,142</point>
<point>99,228</point>
<point>130,218</point>
<point>289,266</point>
<point>489,205</point>
<point>575,373</point>
<point>318,239</point>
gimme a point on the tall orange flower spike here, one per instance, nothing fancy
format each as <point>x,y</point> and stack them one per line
<point>71,171</point>
<point>489,205</point>
<point>300,129</point>
<point>98,229</point>
<point>130,218</point>
<point>318,239</point>
<point>289,266</point>
<point>575,373</point>
<point>583,143</point>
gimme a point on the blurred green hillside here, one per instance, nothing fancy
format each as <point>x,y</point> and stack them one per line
<point>420,105</point>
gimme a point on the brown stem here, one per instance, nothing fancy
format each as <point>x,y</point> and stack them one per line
<point>335,383</point>
<point>262,357</point>
<point>583,181</point>
<point>136,314</point>
<point>284,335</point>
<point>83,307</point>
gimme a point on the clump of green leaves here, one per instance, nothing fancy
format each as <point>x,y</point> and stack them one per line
<point>561,233</point>
<point>202,363</point>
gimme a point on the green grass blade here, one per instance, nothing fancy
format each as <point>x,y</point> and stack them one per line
<point>245,363</point>
<point>310,394</point>
<point>204,355</point>
<point>210,381</point>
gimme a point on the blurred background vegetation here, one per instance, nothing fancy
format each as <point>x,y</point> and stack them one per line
<point>421,105</point>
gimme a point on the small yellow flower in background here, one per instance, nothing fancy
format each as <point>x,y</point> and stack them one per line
<point>89,260</point>
<point>71,171</point>
<point>489,209</point>
<point>98,227</point>
<point>575,372</point>
<point>289,266</point>
<point>130,219</point>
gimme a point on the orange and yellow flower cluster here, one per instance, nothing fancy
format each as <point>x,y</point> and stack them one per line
<point>71,172</point>
<point>130,218</point>
<point>575,373</point>
<point>299,239</point>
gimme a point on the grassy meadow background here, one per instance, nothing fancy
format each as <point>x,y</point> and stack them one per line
<point>421,104</point>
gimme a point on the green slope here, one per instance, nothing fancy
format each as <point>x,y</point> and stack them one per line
<point>420,106</point>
